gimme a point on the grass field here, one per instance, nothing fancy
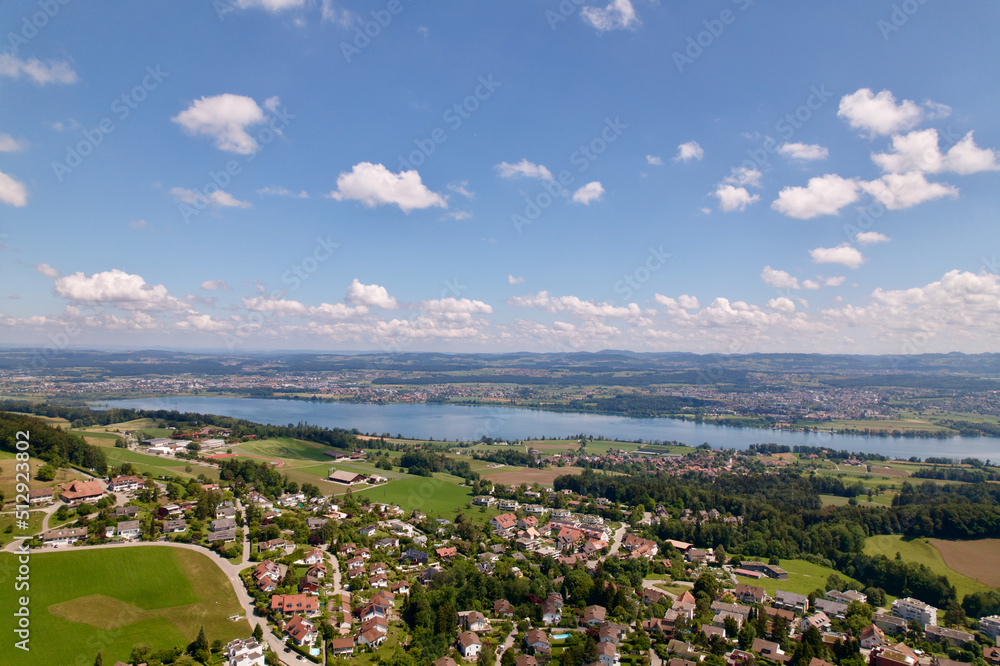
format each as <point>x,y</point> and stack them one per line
<point>922,551</point>
<point>108,600</point>
<point>975,559</point>
<point>437,497</point>
<point>156,465</point>
<point>7,522</point>
<point>513,476</point>
<point>285,447</point>
<point>803,578</point>
<point>8,476</point>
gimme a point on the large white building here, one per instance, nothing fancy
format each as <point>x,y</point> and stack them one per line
<point>990,626</point>
<point>914,609</point>
<point>244,652</point>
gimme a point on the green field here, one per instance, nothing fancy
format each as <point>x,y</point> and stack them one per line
<point>438,497</point>
<point>803,578</point>
<point>7,522</point>
<point>108,600</point>
<point>922,552</point>
<point>155,465</point>
<point>8,475</point>
<point>285,447</point>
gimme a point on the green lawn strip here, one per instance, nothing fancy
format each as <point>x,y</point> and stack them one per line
<point>921,551</point>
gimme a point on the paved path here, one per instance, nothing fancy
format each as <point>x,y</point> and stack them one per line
<point>507,644</point>
<point>616,542</point>
<point>651,585</point>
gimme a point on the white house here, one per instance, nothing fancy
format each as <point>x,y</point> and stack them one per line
<point>469,645</point>
<point>244,652</point>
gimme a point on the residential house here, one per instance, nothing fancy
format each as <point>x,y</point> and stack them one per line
<point>508,505</point>
<point>831,608</point>
<point>872,636</point>
<point>64,536</point>
<point>314,556</point>
<point>244,652</point>
<point>990,625</point>
<point>607,654</point>
<point>936,634</point>
<point>503,609</point>
<point>750,594</point>
<point>445,661</point>
<point>412,556</point>
<point>369,530</point>
<point>992,655</point>
<point>797,603</point>
<point>890,624</point>
<point>594,615</point>
<point>525,660</point>
<point>538,641</point>
<point>225,510</point>
<point>484,500</point>
<point>447,553</point>
<point>341,647</point>
<point>894,655</point>
<point>818,620</point>
<point>504,522</point>
<point>77,491</point>
<point>123,484</point>
<point>551,614</point>
<point>174,526</point>
<point>401,587</point>
<point>129,529</point>
<point>387,543</point>
<point>469,645</point>
<point>40,496</point>
<point>847,596</point>
<point>769,650</point>
<point>291,604</point>
<point>301,630</point>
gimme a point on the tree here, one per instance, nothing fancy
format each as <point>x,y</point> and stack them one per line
<point>47,473</point>
<point>99,661</point>
<point>954,615</point>
<point>258,633</point>
<point>199,648</point>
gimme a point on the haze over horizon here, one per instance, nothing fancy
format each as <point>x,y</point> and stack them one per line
<point>723,177</point>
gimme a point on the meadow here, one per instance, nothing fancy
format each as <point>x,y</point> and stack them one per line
<point>439,496</point>
<point>108,600</point>
<point>803,577</point>
<point>923,551</point>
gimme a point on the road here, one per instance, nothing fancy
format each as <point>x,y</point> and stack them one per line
<point>507,644</point>
<point>616,542</point>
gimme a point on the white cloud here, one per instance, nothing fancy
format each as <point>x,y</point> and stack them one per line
<point>575,306</point>
<point>270,5</point>
<point>779,279</point>
<point>734,198</point>
<point>514,280</point>
<point>523,169</point>
<point>282,192</point>
<point>12,191</point>
<point>589,193</point>
<point>834,281</point>
<point>682,302</point>
<point>782,304</point>
<point>225,118</point>
<point>213,285</point>
<point>689,151</point>
<point>138,224</point>
<point>459,215</point>
<point>370,294</point>
<point>803,151</point>
<point>810,284</point>
<point>843,254</point>
<point>374,185</point>
<point>744,176</point>
<point>52,71</point>
<point>47,270</point>
<point>878,114</point>
<point>616,15</point>
<point>870,238</point>
<point>124,290</point>
<point>455,306</point>
<point>332,14</point>
<point>653,160</point>
<point>903,190</point>
<point>462,187</point>
<point>824,195</point>
<point>218,198</point>
<point>919,151</point>
<point>9,144</point>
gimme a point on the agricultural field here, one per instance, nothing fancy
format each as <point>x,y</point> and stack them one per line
<point>975,559</point>
<point>156,595</point>
<point>513,476</point>
<point>8,475</point>
<point>439,496</point>
<point>923,551</point>
<point>285,447</point>
<point>156,465</point>
<point>803,578</point>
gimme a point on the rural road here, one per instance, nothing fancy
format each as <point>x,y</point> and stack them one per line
<point>616,543</point>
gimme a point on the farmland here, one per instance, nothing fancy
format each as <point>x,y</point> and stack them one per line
<point>155,595</point>
<point>923,551</point>
<point>975,559</point>
<point>513,476</point>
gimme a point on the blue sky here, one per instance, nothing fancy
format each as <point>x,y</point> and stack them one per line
<point>529,175</point>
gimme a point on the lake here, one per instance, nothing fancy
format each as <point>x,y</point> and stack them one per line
<point>455,422</point>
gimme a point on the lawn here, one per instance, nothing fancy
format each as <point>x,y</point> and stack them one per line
<point>803,578</point>
<point>155,595</point>
<point>7,521</point>
<point>923,551</point>
<point>156,465</point>
<point>285,447</point>
<point>834,500</point>
<point>437,497</point>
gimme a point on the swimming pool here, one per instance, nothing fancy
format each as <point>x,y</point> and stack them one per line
<point>561,637</point>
